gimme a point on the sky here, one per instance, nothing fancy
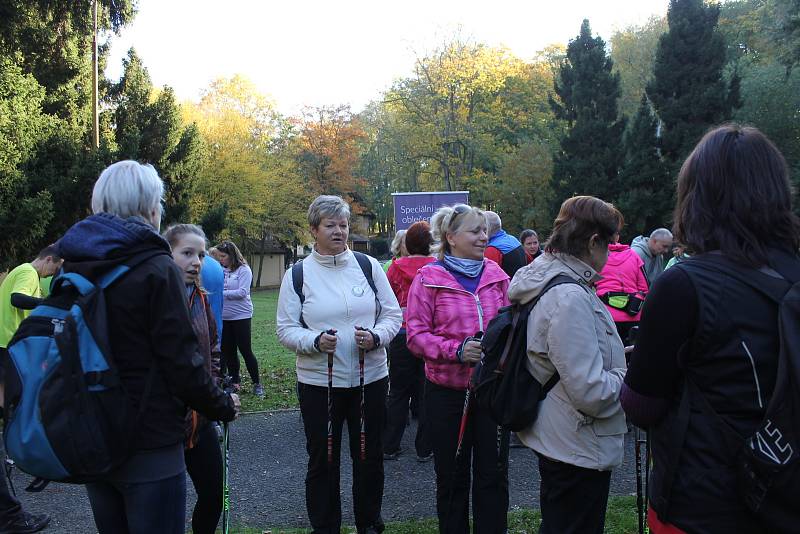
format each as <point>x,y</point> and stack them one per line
<point>317,52</point>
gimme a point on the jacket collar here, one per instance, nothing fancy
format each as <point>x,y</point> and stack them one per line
<point>582,270</point>
<point>332,261</point>
<point>436,275</point>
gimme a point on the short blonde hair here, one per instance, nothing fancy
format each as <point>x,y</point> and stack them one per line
<point>449,220</point>
<point>397,243</point>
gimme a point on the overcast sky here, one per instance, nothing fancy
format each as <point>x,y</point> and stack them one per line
<point>304,52</point>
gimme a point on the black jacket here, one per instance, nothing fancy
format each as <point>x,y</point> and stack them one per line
<point>148,324</point>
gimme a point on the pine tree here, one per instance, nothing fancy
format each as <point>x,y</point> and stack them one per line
<point>688,90</point>
<point>591,152</point>
<point>646,187</point>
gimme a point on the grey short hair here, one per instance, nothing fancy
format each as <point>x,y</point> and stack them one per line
<point>128,188</point>
<point>397,242</point>
<point>661,234</point>
<point>330,206</point>
<point>493,222</point>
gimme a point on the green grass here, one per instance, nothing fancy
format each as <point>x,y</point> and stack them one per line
<point>276,365</point>
<point>620,519</point>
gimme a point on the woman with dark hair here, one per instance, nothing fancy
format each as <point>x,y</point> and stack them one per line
<point>701,380</point>
<point>579,432</point>
<point>530,242</point>
<point>406,371</point>
<point>237,316</point>
<point>450,302</point>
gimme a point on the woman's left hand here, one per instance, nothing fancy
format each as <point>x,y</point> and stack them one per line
<point>364,339</point>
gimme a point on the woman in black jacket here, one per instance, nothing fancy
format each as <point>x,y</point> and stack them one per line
<point>706,358</point>
<point>153,345</point>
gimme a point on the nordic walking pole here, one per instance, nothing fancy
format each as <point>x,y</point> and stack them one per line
<point>363,435</point>
<point>465,413</point>
<point>330,332</point>
<point>226,498</point>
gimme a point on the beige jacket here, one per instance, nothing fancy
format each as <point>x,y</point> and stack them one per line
<point>580,422</point>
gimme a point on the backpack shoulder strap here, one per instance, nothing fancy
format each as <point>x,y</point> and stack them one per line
<point>523,312</point>
<point>297,284</point>
<point>366,268</point>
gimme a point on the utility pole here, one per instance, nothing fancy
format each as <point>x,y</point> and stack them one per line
<point>95,111</point>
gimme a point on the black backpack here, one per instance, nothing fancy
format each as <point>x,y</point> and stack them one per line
<point>501,382</point>
<point>366,268</point>
<point>767,463</point>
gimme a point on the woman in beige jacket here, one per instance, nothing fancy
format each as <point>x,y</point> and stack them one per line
<point>579,432</point>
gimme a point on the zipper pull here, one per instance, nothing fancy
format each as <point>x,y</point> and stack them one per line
<point>58,325</point>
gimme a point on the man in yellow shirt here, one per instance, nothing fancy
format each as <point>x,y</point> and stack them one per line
<point>20,293</point>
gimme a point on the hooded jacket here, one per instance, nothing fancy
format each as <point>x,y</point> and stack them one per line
<point>580,421</point>
<point>148,323</point>
<point>441,314</point>
<point>622,273</point>
<point>653,265</point>
<point>401,273</point>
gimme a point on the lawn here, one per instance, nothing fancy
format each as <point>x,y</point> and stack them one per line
<point>276,364</point>
<point>620,519</point>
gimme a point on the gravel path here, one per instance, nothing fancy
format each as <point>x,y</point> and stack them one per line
<point>268,462</point>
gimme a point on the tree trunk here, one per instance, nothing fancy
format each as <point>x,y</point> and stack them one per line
<point>261,256</point>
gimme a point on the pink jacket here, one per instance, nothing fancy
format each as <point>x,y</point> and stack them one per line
<point>623,272</point>
<point>441,313</point>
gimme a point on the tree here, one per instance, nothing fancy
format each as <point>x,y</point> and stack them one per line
<point>24,211</point>
<point>633,51</point>
<point>688,90</point>
<point>590,156</point>
<point>645,197</point>
<point>150,129</point>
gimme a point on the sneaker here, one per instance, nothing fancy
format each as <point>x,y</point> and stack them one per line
<point>394,455</point>
<point>25,523</point>
<point>424,459</point>
<point>258,391</point>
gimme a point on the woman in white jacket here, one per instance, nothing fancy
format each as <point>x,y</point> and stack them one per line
<point>342,316</point>
<point>580,430</point>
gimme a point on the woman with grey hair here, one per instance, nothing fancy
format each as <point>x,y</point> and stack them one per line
<point>154,348</point>
<point>337,311</point>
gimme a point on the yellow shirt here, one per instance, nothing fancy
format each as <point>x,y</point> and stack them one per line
<point>25,280</point>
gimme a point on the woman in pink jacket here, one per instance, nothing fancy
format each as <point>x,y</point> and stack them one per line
<point>623,287</point>
<point>450,303</point>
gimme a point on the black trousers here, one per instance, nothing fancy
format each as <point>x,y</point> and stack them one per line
<point>484,455</point>
<point>573,499</point>
<point>322,480</point>
<point>406,381</point>
<point>9,505</point>
<point>236,334</point>
<point>204,465</point>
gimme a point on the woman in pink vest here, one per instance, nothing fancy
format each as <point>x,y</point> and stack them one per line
<point>623,287</point>
<point>450,303</point>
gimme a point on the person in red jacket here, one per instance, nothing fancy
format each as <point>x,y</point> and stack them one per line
<point>407,371</point>
<point>623,287</point>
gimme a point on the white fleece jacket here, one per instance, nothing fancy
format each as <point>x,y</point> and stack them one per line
<point>338,296</point>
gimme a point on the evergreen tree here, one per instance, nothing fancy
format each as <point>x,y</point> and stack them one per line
<point>591,152</point>
<point>688,90</point>
<point>646,188</point>
<point>150,130</point>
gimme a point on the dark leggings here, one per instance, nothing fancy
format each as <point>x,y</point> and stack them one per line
<point>236,334</point>
<point>204,465</point>
<point>140,507</point>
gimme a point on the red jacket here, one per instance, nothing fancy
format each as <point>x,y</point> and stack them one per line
<point>401,273</point>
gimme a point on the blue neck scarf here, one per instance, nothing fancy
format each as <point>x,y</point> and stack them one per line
<point>465,266</point>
